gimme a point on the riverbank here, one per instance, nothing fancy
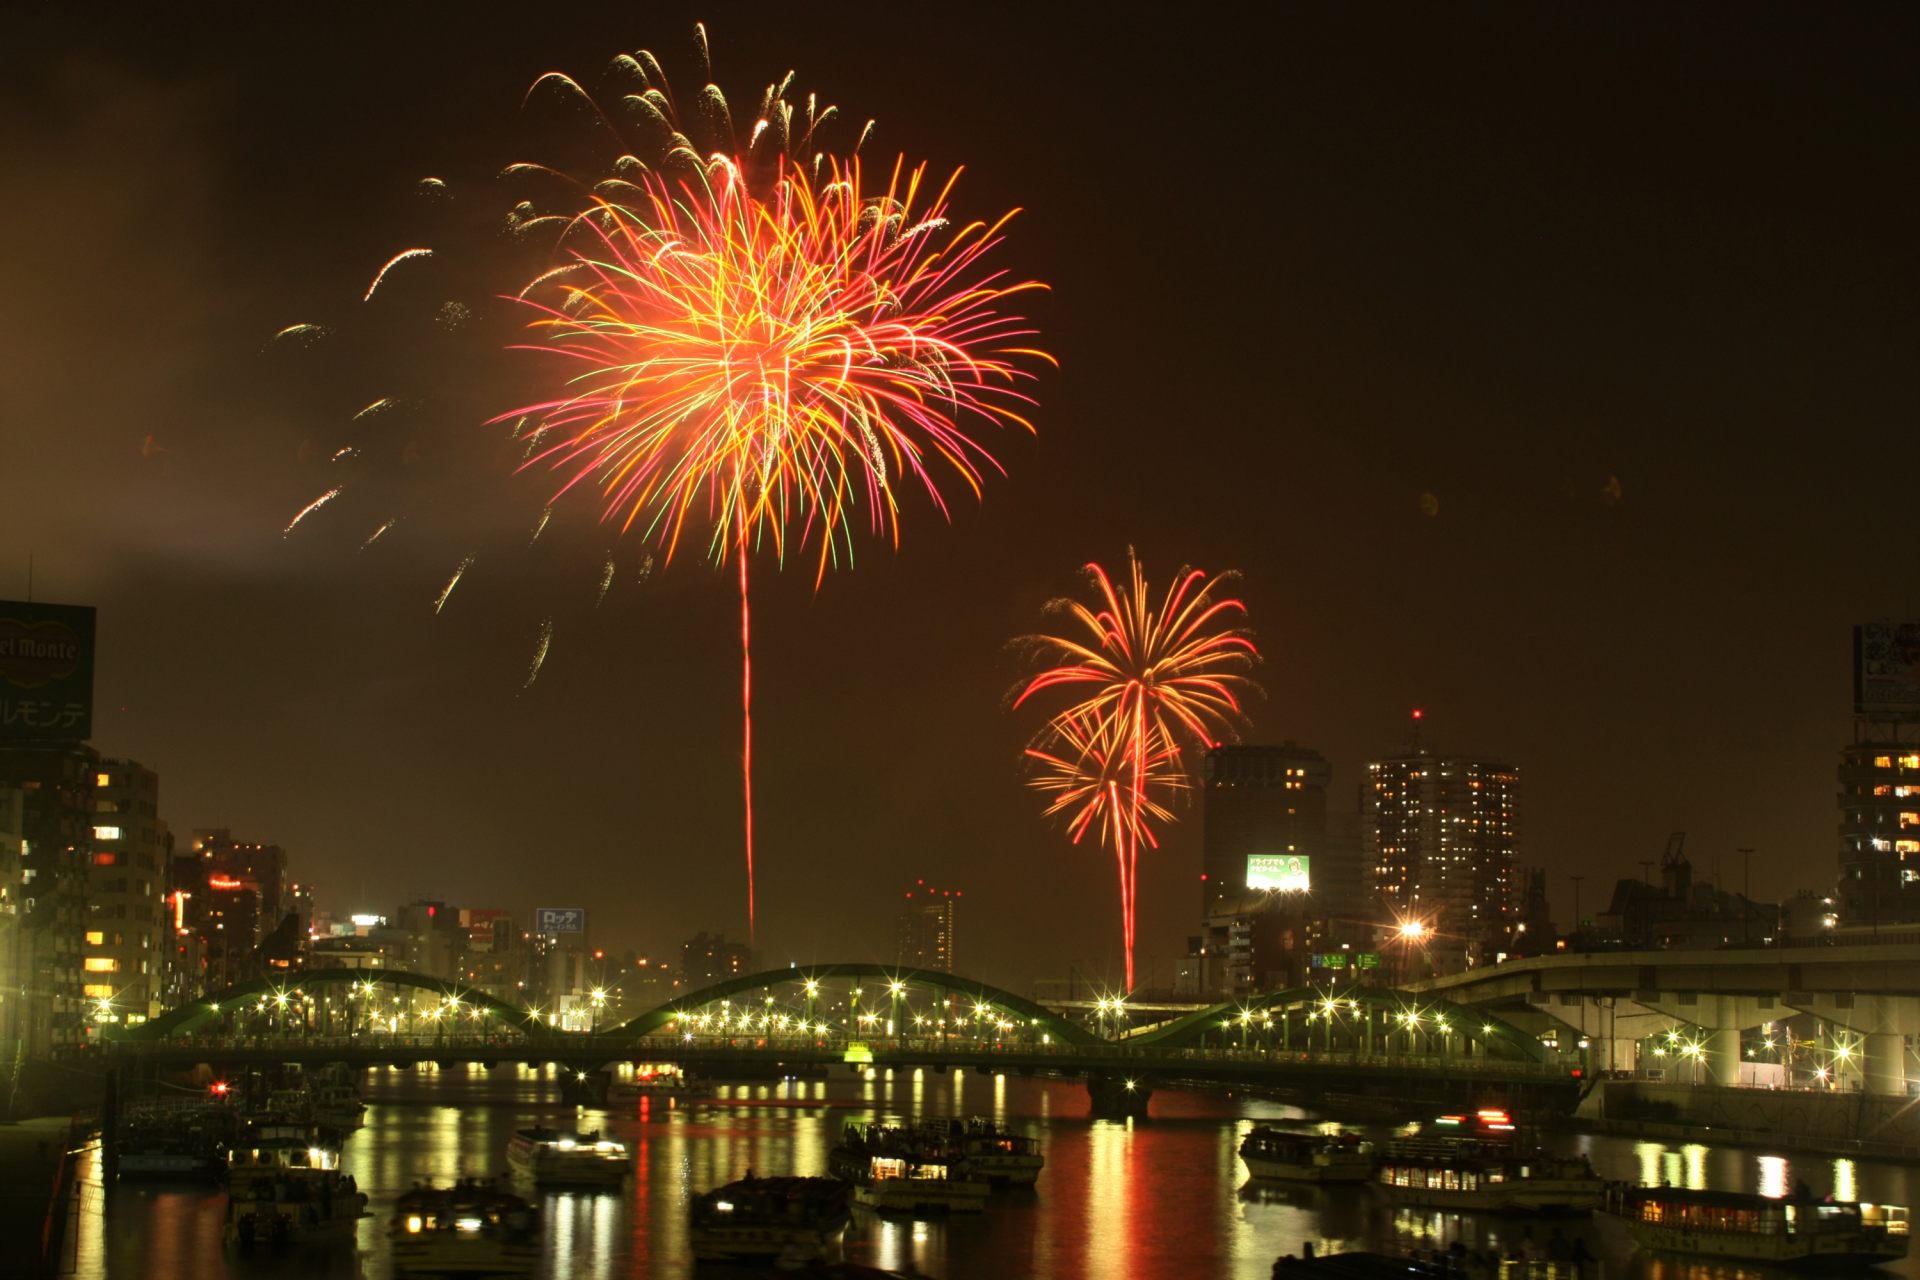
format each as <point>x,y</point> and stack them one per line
<point>35,1173</point>
<point>1834,1124</point>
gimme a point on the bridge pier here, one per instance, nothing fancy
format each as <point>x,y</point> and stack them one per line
<point>1118,1097</point>
<point>1884,1064</point>
<point>1723,1055</point>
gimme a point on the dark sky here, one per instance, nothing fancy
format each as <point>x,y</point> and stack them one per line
<point>1307,269</point>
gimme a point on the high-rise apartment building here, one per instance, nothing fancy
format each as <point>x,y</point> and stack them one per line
<point>13,822</point>
<point>235,894</point>
<point>1265,822</point>
<point>124,947</point>
<point>1443,842</point>
<point>709,958</point>
<point>56,784</point>
<point>923,931</point>
<point>1880,778</point>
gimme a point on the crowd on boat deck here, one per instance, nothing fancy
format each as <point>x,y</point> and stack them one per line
<point>284,1190</point>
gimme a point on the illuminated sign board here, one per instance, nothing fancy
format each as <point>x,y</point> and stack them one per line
<point>560,920</point>
<point>224,882</point>
<point>1346,960</point>
<point>46,672</point>
<point>1278,872</point>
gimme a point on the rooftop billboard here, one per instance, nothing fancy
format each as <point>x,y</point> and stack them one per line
<point>46,672</point>
<point>1886,668</point>
<point>1278,872</point>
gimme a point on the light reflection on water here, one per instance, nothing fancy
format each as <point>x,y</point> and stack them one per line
<point>1165,1198</point>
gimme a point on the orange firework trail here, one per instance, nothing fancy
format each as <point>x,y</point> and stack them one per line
<point>1148,677</point>
<point>753,342</point>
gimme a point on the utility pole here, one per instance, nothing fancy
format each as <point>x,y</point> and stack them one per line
<point>1746,895</point>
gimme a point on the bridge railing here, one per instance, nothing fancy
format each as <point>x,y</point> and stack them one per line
<point>580,1046</point>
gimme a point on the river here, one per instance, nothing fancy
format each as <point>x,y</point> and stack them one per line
<point>1162,1198</point>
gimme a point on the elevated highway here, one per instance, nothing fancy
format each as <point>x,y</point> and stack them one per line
<point>1705,1012</point>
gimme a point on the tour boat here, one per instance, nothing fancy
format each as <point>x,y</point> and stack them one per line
<point>790,1221</point>
<point>1796,1232</point>
<point>1291,1156</point>
<point>296,1205</point>
<point>906,1169</point>
<point>469,1229</point>
<point>993,1154</point>
<point>557,1158</point>
<point>1469,1174</point>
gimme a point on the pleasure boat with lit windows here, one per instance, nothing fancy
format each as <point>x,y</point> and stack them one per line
<point>1795,1232</point>
<point>994,1154</point>
<point>790,1221</point>
<point>271,1151</point>
<point>906,1170</point>
<point>559,1158</point>
<point>1289,1156</point>
<point>1476,1163</point>
<point>469,1229</point>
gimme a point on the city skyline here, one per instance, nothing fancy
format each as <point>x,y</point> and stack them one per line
<point>1637,471</point>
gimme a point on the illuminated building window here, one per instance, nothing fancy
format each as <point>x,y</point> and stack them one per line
<point>106,833</point>
<point>102,964</point>
<point>95,937</point>
<point>105,858</point>
<point>98,991</point>
<point>1883,762</point>
<point>1910,761</point>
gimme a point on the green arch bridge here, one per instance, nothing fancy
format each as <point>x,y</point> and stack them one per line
<point>1345,1043</point>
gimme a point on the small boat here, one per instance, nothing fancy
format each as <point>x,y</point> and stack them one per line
<point>1290,1156</point>
<point>647,1082</point>
<point>1481,1163</point>
<point>268,1151</point>
<point>338,1106</point>
<point>469,1229</point>
<point>294,1207</point>
<point>906,1170</point>
<point>560,1158</point>
<point>1795,1232</point>
<point>790,1221</point>
<point>173,1142</point>
<point>993,1154</point>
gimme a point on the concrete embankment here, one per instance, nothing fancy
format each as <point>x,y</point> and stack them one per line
<point>1848,1124</point>
<point>34,1177</point>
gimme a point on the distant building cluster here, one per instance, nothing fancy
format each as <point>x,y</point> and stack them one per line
<point>924,928</point>
<point>1422,873</point>
<point>104,920</point>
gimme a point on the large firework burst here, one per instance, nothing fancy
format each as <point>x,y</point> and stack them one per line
<point>749,342</point>
<point>1149,679</point>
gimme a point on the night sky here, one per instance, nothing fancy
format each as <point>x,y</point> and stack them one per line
<point>1545,369</point>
